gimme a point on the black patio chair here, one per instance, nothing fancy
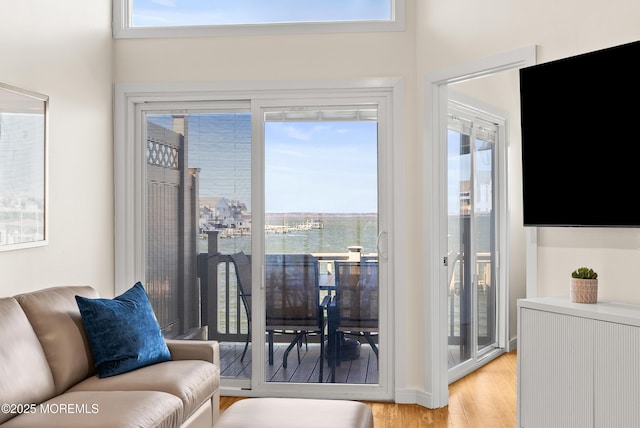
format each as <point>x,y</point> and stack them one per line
<point>293,301</point>
<point>354,308</point>
<point>242,265</point>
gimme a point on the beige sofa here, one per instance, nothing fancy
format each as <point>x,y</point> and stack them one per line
<point>48,379</point>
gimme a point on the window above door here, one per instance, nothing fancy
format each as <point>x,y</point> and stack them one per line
<point>195,18</point>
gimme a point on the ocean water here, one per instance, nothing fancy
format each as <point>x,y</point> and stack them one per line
<point>340,231</point>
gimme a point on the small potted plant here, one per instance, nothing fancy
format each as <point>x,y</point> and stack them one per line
<point>584,285</point>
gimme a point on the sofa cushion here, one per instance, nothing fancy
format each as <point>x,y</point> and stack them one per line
<point>192,381</point>
<point>123,332</point>
<point>100,409</point>
<point>25,376</point>
<point>55,318</point>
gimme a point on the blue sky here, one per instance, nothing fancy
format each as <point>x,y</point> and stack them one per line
<point>322,167</point>
<point>327,167</point>
<point>222,12</point>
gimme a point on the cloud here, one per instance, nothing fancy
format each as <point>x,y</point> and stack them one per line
<point>299,131</point>
<point>166,3</point>
<point>296,133</point>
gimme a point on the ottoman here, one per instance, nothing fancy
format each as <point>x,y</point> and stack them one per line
<point>295,413</point>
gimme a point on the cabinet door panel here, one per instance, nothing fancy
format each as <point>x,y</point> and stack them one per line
<point>556,366</point>
<point>616,375</point>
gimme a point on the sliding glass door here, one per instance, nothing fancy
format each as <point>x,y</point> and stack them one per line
<point>321,244</point>
<point>472,218</point>
<point>263,226</point>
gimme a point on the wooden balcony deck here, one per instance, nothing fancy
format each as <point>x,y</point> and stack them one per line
<point>363,370</point>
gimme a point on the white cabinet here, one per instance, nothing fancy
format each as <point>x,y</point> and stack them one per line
<point>578,364</point>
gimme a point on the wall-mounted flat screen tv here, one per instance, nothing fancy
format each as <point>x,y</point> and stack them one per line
<point>581,139</point>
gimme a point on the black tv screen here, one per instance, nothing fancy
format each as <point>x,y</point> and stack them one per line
<point>581,139</point>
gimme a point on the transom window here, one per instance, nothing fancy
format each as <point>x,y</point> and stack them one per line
<point>162,18</point>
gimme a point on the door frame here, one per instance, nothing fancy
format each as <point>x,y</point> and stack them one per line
<point>128,186</point>
<point>436,97</point>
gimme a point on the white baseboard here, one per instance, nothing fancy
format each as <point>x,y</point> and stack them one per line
<point>414,396</point>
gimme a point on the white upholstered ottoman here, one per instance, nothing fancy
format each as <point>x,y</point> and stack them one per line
<point>295,413</point>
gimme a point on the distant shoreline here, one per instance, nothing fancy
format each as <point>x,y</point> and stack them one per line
<point>310,214</point>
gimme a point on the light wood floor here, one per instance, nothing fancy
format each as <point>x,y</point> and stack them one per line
<point>483,399</point>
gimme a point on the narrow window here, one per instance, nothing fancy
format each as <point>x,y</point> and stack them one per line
<point>173,18</point>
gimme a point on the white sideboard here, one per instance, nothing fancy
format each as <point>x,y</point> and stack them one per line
<point>578,364</point>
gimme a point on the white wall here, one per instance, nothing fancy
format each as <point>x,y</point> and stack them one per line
<point>64,50</point>
<point>613,253</point>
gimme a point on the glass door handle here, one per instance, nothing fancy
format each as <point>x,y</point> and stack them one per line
<point>382,252</point>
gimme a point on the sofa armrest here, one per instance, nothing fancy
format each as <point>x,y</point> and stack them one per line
<point>207,350</point>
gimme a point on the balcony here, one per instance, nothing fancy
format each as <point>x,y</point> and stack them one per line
<point>225,317</point>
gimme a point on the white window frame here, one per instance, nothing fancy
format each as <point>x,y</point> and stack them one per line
<point>123,30</point>
<point>130,100</point>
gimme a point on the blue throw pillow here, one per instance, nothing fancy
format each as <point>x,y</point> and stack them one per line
<point>123,332</point>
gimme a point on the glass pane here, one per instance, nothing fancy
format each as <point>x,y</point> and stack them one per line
<point>321,227</point>
<point>199,229</point>
<point>22,168</point>
<point>472,222</point>
<point>484,243</point>
<point>153,13</point>
<point>459,206</point>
